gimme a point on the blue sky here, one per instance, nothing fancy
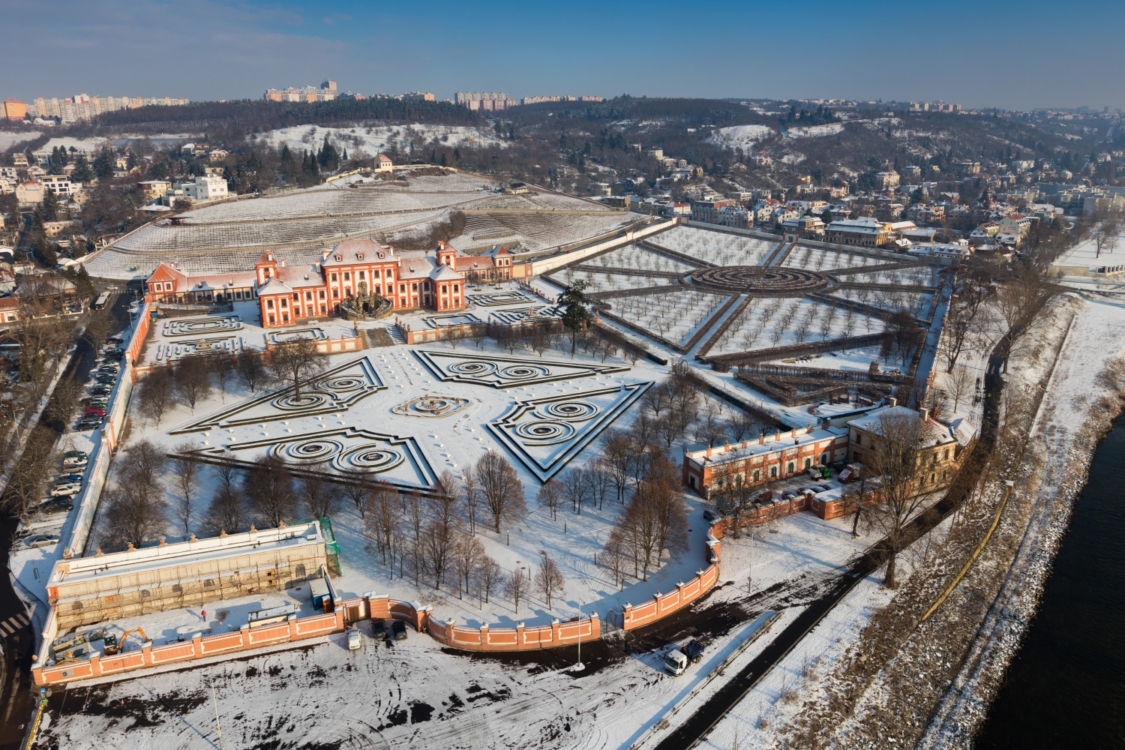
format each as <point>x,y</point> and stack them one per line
<point>983,53</point>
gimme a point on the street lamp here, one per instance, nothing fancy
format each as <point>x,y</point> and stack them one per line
<point>579,666</point>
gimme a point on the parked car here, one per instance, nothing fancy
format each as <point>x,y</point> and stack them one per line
<point>75,454</point>
<point>105,379</point>
<point>355,640</point>
<point>56,505</point>
<point>76,463</point>
<point>41,540</point>
<point>62,478</point>
<point>66,490</point>
<point>94,411</point>
<point>100,391</point>
<point>710,515</point>
<point>86,424</point>
<point>379,630</point>
<point>399,629</point>
<point>115,356</point>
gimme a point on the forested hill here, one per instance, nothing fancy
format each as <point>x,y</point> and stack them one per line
<point>232,119</point>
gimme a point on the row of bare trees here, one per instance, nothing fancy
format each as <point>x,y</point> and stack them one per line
<point>191,379</point>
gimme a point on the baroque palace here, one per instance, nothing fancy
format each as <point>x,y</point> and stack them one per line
<point>353,268</point>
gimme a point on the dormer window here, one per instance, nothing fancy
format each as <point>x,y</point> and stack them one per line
<point>359,256</point>
<point>339,258</point>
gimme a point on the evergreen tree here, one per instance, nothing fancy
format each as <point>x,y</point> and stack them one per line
<point>82,281</point>
<point>105,164</point>
<point>575,304</point>
<point>49,208</point>
<point>45,252</point>
<point>82,172</point>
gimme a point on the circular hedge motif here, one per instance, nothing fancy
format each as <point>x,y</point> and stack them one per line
<point>343,383</point>
<point>307,400</point>
<point>524,372</point>
<point>577,411</point>
<point>760,280</point>
<point>312,451</point>
<point>472,368</point>
<point>544,431</point>
<point>371,459</point>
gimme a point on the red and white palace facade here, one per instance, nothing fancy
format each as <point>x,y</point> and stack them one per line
<point>289,294</point>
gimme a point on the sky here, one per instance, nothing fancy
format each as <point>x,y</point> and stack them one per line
<point>987,53</point>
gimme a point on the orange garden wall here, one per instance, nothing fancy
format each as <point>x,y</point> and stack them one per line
<point>370,606</point>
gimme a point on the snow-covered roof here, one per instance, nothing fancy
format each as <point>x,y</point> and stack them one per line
<point>274,286</point>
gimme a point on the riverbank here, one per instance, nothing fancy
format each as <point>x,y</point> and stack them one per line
<point>1082,402</point>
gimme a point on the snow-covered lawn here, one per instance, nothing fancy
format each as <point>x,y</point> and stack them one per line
<point>637,258</point>
<point>674,316</point>
<point>820,259</point>
<point>779,321</point>
<point>920,276</point>
<point>918,303</point>
<point>9,139</point>
<point>719,248</point>
<point>607,282</point>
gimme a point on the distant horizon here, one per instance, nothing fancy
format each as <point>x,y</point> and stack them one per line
<point>982,56</point>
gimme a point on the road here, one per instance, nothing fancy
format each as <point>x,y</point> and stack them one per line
<point>698,725</point>
<point>16,701</point>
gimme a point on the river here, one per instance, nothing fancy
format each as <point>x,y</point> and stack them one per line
<point>1066,686</point>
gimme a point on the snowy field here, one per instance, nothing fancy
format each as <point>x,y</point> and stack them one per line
<point>372,140</point>
<point>11,138</point>
<point>918,303</point>
<point>919,276</point>
<point>1085,253</point>
<point>816,131</point>
<point>675,317</point>
<point>781,321</point>
<point>718,248</point>
<point>607,282</point>
<point>744,137</point>
<point>820,259</point>
<point>637,258</point>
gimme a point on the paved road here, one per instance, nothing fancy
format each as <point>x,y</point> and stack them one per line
<point>16,638</point>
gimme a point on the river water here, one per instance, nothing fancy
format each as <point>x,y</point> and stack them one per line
<point>1066,686</point>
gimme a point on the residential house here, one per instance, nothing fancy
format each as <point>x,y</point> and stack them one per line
<point>864,232</point>
<point>383,163</point>
<point>29,192</point>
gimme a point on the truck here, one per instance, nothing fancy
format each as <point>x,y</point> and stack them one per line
<point>678,659</point>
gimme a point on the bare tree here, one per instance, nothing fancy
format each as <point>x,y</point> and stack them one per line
<point>223,366</point>
<point>549,579</point>
<point>269,487</point>
<point>550,497</point>
<point>488,577</point>
<point>576,488</point>
<point>1105,236</point>
<point>893,458</point>
<point>617,453</point>
<point>358,494</point>
<point>467,557</point>
<point>144,463</point>
<point>501,489</point>
<point>251,368</point>
<point>137,513</point>
<point>65,397</point>
<point>156,393</point>
<point>227,474</point>
<point>185,477</point>
<point>97,329</point>
<point>193,379</point>
<point>471,497</point>
<point>382,520</point>
<point>598,481</point>
<point>516,587</point>
<point>960,384</point>
<point>615,552</point>
<point>296,362</point>
<point>741,425</point>
<point>319,495</point>
<point>227,511</point>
